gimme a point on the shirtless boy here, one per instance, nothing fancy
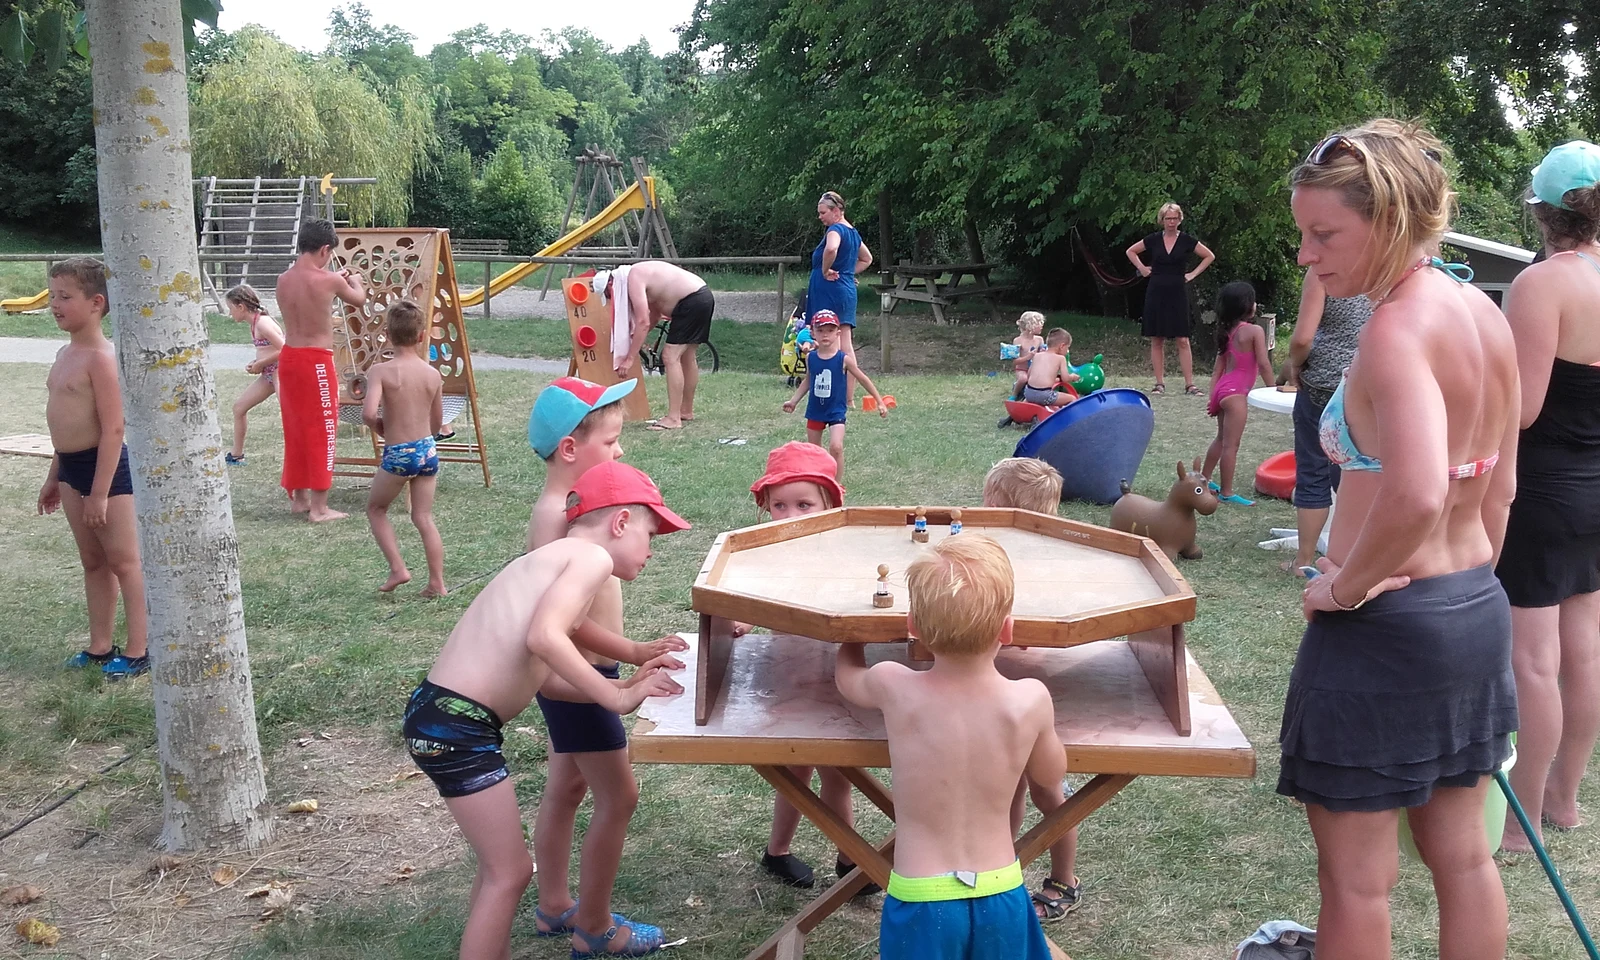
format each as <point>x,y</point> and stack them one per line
<point>960,737</point>
<point>308,385</point>
<point>658,291</point>
<point>511,639</point>
<point>405,406</point>
<point>1048,369</point>
<point>89,475</point>
<point>575,426</point>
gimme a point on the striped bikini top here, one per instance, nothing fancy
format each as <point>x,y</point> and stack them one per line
<point>1334,431</point>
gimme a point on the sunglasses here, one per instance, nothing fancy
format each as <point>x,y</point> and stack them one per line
<point>1339,143</point>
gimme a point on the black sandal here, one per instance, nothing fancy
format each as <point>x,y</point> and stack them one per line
<point>1192,390</point>
<point>1067,898</point>
<point>840,868</point>
<point>1159,389</point>
<point>788,868</point>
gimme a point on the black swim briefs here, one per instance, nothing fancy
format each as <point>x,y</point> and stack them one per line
<point>76,470</point>
<point>454,740</point>
<point>583,727</point>
<point>691,318</point>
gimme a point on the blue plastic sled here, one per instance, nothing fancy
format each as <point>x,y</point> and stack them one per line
<point>1094,443</point>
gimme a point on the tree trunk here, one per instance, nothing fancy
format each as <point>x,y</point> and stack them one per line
<point>213,786</point>
<point>885,249</point>
<point>974,242</point>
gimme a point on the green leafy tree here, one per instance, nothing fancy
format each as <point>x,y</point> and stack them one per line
<point>47,172</point>
<point>268,110</point>
<point>585,68</point>
<point>515,204</point>
<point>385,52</point>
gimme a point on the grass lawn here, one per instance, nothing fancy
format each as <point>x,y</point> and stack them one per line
<point>1174,867</point>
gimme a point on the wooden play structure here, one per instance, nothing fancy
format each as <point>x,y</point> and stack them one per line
<point>1079,584</point>
<point>396,263</point>
<point>590,324</point>
<point>637,202</point>
<point>638,234</point>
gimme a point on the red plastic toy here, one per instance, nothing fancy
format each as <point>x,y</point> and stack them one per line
<point>1275,476</point>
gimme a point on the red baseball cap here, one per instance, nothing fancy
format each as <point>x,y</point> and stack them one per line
<point>824,318</point>
<point>797,461</point>
<point>615,484</point>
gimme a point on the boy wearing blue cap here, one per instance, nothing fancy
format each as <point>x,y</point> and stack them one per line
<point>576,427</point>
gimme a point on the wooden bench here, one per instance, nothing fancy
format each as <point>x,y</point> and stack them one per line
<point>939,286</point>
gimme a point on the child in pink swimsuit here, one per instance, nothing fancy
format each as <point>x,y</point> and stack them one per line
<point>1241,354</point>
<point>244,306</point>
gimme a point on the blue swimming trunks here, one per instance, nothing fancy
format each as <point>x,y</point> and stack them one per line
<point>419,458</point>
<point>945,918</point>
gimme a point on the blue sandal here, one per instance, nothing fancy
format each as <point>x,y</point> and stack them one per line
<point>561,924</point>
<point>84,658</point>
<point>643,939</point>
<point>1236,499</point>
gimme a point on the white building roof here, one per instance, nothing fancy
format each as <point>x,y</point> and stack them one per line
<point>1479,245</point>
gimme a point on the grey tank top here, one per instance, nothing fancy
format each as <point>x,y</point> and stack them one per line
<point>1334,346</point>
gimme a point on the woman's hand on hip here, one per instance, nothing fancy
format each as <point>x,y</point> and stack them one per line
<point>830,275</point>
<point>1319,596</point>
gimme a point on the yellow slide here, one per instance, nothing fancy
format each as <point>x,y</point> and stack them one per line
<point>24,304</point>
<point>632,198</point>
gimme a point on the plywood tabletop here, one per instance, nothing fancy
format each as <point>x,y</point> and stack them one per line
<point>781,706</point>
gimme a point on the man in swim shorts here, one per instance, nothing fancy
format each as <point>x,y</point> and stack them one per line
<point>658,290</point>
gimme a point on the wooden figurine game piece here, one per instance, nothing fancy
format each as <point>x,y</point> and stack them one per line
<point>883,598</point>
<point>955,521</point>
<point>919,530</point>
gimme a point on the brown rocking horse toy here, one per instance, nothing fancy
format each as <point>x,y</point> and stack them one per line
<point>1171,524</point>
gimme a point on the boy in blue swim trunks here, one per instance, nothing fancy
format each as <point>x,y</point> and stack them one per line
<point>512,638</point>
<point>89,475</point>
<point>829,369</point>
<point>960,737</point>
<point>405,406</point>
<point>576,426</point>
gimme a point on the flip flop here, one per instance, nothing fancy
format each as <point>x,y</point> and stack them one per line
<point>1236,499</point>
<point>658,425</point>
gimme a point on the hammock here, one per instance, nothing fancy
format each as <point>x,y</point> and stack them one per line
<point>1100,272</point>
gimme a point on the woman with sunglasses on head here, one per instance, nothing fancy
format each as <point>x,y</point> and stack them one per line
<point>1166,296</point>
<point>835,263</point>
<point>1402,694</point>
<point>1551,564</point>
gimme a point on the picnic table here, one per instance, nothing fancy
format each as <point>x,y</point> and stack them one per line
<point>781,707</point>
<point>939,286</point>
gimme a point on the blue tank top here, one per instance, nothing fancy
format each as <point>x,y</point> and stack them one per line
<point>836,295</point>
<point>827,403</point>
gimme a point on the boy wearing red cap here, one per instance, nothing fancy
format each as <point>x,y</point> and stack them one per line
<point>828,370</point>
<point>799,481</point>
<point>510,640</point>
<point>575,426</point>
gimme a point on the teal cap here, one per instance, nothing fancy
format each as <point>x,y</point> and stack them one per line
<point>1571,166</point>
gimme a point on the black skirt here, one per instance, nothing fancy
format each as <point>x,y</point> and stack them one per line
<point>1411,692</point>
<point>1552,544</point>
<point>1166,307</point>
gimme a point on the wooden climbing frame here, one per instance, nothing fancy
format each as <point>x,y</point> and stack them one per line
<point>397,263</point>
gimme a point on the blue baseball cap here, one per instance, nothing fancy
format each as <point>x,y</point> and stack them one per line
<point>1571,166</point>
<point>560,407</point>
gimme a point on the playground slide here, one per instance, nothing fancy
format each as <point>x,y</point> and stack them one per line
<point>24,304</point>
<point>632,198</point>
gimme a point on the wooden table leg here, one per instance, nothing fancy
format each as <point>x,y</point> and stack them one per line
<point>711,664</point>
<point>1057,822</point>
<point>849,842</point>
<point>1162,657</point>
<point>791,936</point>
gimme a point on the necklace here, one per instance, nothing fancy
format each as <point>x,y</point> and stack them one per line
<point>1425,261</point>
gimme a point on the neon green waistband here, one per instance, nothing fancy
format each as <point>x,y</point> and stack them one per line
<point>951,886</point>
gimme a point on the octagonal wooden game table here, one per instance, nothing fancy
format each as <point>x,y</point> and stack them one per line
<point>780,707</point>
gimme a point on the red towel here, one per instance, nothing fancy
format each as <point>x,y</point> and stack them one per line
<point>308,396</point>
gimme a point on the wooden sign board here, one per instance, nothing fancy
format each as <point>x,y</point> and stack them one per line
<point>590,323</point>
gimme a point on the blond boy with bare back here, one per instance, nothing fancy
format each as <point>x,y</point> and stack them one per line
<point>660,291</point>
<point>405,406</point>
<point>1025,483</point>
<point>308,384</point>
<point>576,426</point>
<point>960,735</point>
<point>513,637</point>
<point>89,476</point>
<point>1050,369</point>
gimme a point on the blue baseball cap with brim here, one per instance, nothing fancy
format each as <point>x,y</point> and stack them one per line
<point>560,407</point>
<point>1571,166</point>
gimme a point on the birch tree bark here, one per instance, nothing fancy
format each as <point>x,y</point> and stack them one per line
<point>214,789</point>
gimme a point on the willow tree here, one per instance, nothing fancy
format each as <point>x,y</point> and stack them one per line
<point>267,110</point>
<point>214,789</point>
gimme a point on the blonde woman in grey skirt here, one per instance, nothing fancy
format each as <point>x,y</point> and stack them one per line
<point>1402,694</point>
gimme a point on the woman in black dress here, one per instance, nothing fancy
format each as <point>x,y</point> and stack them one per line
<point>1166,296</point>
<point>1550,567</point>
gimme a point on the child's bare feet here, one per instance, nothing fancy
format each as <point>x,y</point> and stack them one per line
<point>299,503</point>
<point>433,590</point>
<point>396,578</point>
<point>324,515</point>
